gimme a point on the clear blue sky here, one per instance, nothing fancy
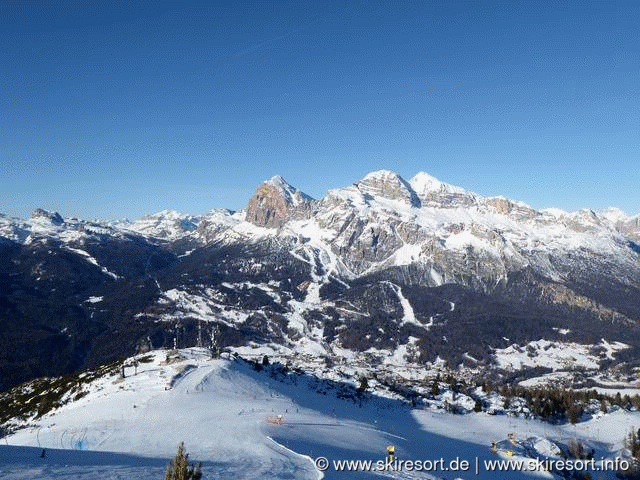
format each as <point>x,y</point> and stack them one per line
<point>122,108</point>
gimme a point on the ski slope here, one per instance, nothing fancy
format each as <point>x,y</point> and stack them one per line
<point>128,428</point>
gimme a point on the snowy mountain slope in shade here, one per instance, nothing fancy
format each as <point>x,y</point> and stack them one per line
<point>216,408</point>
<point>124,428</point>
<point>25,463</point>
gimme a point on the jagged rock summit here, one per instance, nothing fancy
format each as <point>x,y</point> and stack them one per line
<point>274,201</point>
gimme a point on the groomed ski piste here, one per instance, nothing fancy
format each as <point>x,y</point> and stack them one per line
<point>243,421</point>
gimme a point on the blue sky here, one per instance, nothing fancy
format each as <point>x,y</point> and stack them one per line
<point>118,109</point>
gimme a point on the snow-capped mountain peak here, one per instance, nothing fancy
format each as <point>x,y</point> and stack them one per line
<point>389,185</point>
<point>614,215</point>
<point>42,215</point>
<point>167,224</point>
<point>424,183</point>
<point>435,193</point>
<point>382,175</point>
<point>291,193</point>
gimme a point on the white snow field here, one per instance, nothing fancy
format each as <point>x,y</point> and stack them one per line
<point>226,412</point>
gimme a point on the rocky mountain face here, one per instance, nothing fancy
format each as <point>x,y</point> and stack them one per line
<point>275,202</point>
<point>385,271</point>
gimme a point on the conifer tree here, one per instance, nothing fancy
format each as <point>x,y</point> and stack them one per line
<point>435,386</point>
<point>179,468</point>
<point>363,384</point>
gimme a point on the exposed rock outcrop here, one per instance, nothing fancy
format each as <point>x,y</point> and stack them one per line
<point>275,202</point>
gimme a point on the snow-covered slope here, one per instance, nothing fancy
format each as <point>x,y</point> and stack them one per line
<point>45,225</point>
<point>168,224</point>
<point>270,424</point>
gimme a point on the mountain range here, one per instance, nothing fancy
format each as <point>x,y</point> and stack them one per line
<point>384,272</point>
